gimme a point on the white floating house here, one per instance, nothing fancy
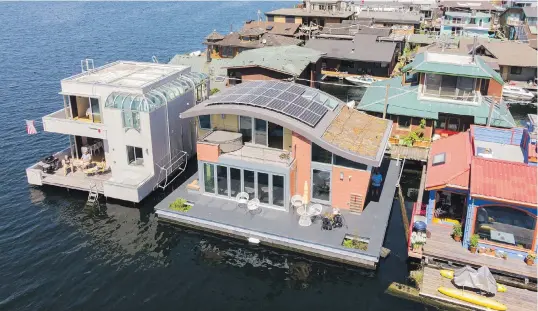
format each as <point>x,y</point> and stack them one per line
<point>125,115</point>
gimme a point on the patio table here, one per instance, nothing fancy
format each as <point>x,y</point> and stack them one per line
<point>304,220</point>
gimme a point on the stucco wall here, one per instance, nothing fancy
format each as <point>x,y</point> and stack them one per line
<point>208,152</point>
<point>287,139</point>
<point>495,89</point>
<point>227,122</point>
<point>354,182</point>
<point>302,152</point>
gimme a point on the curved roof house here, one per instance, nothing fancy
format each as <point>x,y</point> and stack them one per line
<point>311,113</point>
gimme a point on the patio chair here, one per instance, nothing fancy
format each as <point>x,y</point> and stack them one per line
<point>241,198</point>
<point>296,201</point>
<point>253,205</point>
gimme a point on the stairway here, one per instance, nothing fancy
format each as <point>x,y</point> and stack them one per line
<point>93,195</point>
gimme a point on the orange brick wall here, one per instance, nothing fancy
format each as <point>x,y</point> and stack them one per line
<point>208,152</point>
<point>302,152</point>
<point>355,181</point>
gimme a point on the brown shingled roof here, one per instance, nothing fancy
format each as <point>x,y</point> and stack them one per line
<point>283,29</point>
<point>214,36</point>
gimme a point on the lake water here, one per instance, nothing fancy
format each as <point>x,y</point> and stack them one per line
<point>55,254</point>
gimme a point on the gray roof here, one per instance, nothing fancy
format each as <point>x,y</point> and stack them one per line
<point>391,17</point>
<point>353,29</point>
<point>313,13</point>
<point>266,39</point>
<point>255,31</point>
<point>530,11</point>
<point>290,59</point>
<point>429,39</point>
<point>362,48</point>
<point>468,4</point>
<point>363,143</point>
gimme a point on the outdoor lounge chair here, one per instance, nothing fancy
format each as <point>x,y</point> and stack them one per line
<point>242,198</point>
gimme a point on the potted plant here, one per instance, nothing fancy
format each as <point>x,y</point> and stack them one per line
<point>490,251</point>
<point>531,257</point>
<point>180,205</point>
<point>473,244</point>
<point>481,250</point>
<point>418,239</point>
<point>503,255</point>
<point>457,232</point>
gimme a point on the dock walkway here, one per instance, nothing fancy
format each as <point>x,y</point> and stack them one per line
<point>516,299</point>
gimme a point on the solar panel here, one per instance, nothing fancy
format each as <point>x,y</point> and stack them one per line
<point>261,101</point>
<point>247,98</point>
<point>317,108</point>
<point>300,101</point>
<point>295,89</point>
<point>310,118</point>
<point>293,110</point>
<point>232,98</point>
<point>281,86</point>
<point>289,97</point>
<point>277,104</point>
<point>272,93</point>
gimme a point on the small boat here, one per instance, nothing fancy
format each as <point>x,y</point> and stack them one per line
<point>472,298</point>
<point>449,274</point>
<point>360,80</point>
<point>515,93</point>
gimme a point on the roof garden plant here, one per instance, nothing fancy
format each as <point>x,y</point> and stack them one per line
<point>457,232</point>
<point>473,244</point>
<point>180,205</point>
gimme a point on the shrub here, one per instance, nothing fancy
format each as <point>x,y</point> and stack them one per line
<point>456,230</point>
<point>474,240</point>
<point>214,91</point>
<point>180,205</point>
<point>417,276</point>
<point>356,244</point>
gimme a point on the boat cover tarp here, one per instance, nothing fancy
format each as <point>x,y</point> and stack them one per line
<point>469,277</point>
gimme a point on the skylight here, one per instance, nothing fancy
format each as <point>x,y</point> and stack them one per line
<point>439,159</point>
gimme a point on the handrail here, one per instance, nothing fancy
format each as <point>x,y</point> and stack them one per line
<point>411,225</point>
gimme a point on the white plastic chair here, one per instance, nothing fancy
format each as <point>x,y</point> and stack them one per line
<point>253,204</point>
<point>296,201</point>
<point>242,198</point>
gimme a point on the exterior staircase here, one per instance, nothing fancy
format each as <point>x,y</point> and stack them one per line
<point>93,195</point>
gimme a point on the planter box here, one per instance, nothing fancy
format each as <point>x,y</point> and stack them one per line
<point>422,144</point>
<point>394,141</point>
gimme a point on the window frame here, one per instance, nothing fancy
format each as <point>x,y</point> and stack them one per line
<point>135,156</point>
<point>133,116</point>
<point>518,70</point>
<point>200,122</point>
<point>400,127</point>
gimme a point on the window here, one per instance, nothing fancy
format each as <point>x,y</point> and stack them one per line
<point>275,136</point>
<point>505,225</point>
<point>347,64</point>
<point>347,163</point>
<point>270,18</point>
<point>209,178</point>
<point>260,132</point>
<point>453,124</point>
<point>404,122</point>
<point>290,19</point>
<point>205,122</point>
<point>330,7</point>
<point>135,155</point>
<point>432,84</point>
<point>96,111</point>
<point>449,87</point>
<point>222,180</point>
<point>278,190</point>
<point>441,123</point>
<point>321,155</point>
<point>321,7</point>
<point>515,70</point>
<point>321,185</point>
<point>245,127</point>
<point>131,119</point>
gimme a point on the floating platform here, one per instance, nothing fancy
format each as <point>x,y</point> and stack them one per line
<point>280,229</point>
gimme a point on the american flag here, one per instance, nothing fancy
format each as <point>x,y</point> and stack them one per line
<point>30,127</point>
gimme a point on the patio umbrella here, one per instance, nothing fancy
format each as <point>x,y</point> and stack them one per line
<point>487,281</point>
<point>305,193</point>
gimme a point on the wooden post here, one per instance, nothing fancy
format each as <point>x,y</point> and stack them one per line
<point>386,102</point>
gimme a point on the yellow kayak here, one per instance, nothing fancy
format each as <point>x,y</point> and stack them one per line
<point>449,274</point>
<point>472,298</point>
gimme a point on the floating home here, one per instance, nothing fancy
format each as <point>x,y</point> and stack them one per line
<point>288,148</point>
<point>482,180</point>
<point>125,138</point>
<point>439,95</point>
<point>313,12</point>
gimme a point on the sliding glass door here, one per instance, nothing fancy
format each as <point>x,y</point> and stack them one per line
<point>275,136</point>
<point>245,127</point>
<point>229,181</point>
<point>260,132</point>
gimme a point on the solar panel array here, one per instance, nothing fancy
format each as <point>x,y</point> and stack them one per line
<point>293,100</point>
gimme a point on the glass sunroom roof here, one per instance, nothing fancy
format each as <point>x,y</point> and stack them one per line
<point>156,97</point>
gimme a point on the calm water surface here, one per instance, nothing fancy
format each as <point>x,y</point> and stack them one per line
<point>55,254</point>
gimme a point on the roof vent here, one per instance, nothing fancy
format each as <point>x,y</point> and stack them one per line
<point>439,159</point>
<point>352,50</point>
<point>270,27</point>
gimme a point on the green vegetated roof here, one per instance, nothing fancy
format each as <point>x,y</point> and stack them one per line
<point>423,62</point>
<point>403,100</point>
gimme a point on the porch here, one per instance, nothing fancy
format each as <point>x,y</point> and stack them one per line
<point>281,229</point>
<point>441,247</point>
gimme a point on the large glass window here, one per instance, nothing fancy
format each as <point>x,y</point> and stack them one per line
<point>453,124</point>
<point>404,122</point>
<point>432,84</point>
<point>275,134</point>
<point>441,123</point>
<point>321,185</point>
<point>245,127</point>
<point>96,111</point>
<point>347,163</point>
<point>248,177</point>
<point>505,225</point>
<point>135,156</point>
<point>321,155</point>
<point>222,180</point>
<point>209,177</point>
<point>205,122</point>
<point>263,187</point>
<point>131,119</point>
<point>465,88</point>
<point>235,181</point>
<point>260,132</point>
<point>448,86</point>
<point>278,190</point>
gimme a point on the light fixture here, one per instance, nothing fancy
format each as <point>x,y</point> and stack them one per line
<point>341,175</point>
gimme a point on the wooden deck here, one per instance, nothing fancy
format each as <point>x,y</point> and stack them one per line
<point>441,246</point>
<point>516,299</point>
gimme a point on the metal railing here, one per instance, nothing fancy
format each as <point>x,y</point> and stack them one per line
<point>264,154</point>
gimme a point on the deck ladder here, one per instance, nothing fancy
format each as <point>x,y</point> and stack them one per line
<point>93,195</point>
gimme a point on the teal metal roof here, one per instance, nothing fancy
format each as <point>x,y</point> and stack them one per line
<point>477,69</point>
<point>156,97</point>
<point>403,100</point>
